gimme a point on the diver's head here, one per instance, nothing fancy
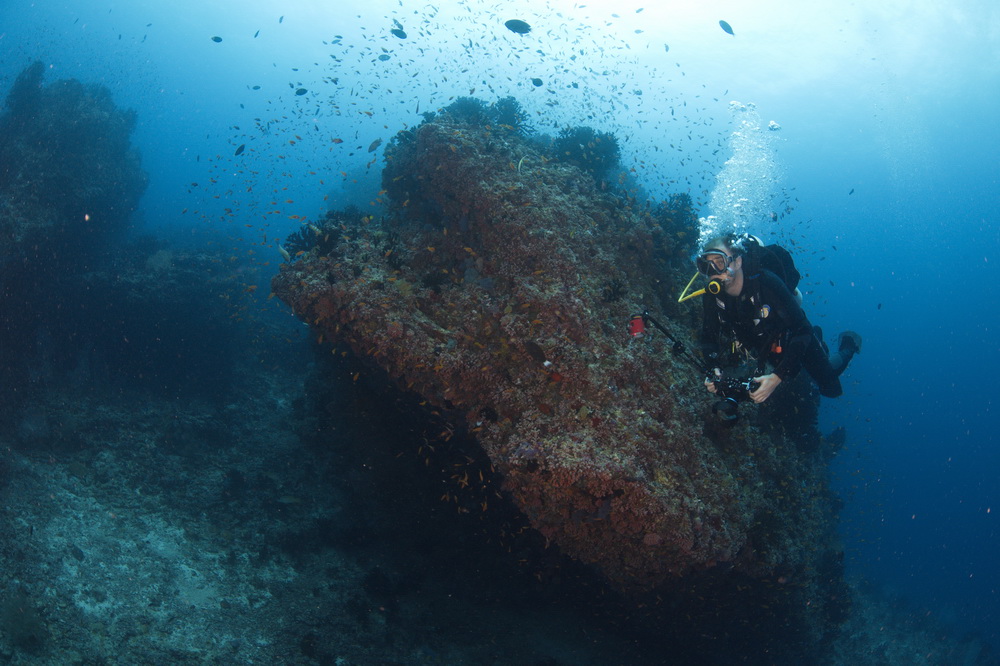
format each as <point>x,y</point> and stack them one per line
<point>722,259</point>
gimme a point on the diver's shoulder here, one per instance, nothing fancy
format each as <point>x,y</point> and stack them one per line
<point>769,280</point>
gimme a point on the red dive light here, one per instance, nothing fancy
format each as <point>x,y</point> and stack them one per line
<point>637,326</point>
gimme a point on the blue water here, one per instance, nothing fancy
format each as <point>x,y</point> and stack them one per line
<point>884,173</point>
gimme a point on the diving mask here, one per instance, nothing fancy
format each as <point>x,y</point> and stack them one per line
<point>713,262</point>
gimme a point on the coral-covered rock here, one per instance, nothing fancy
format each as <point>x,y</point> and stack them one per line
<point>69,176</point>
<point>500,287</point>
<point>69,180</point>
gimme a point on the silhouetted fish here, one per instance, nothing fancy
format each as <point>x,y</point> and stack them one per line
<point>301,91</point>
<point>518,26</point>
<point>239,151</point>
<point>399,33</point>
<point>216,39</point>
<point>728,28</point>
<point>375,144</point>
<point>537,82</point>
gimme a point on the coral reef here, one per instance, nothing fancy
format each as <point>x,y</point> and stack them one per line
<point>485,292</point>
<point>593,151</point>
<point>69,180</point>
<point>504,114</point>
<point>497,291</point>
<point>324,237</point>
<point>68,173</point>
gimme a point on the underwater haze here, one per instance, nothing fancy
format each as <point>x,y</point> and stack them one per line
<point>862,136</point>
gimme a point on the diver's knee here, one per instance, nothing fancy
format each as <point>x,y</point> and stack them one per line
<point>832,393</point>
<point>831,389</point>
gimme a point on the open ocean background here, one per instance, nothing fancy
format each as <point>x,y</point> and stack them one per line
<point>884,175</point>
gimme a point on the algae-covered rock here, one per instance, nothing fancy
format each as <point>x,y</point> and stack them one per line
<point>500,288</point>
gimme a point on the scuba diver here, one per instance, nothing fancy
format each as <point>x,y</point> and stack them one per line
<point>753,298</point>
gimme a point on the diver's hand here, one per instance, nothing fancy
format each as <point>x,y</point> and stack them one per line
<point>767,384</point>
<point>710,384</point>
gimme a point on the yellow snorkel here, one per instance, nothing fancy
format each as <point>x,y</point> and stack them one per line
<point>714,287</point>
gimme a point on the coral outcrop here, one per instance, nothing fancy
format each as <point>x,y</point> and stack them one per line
<point>500,288</point>
<point>69,181</point>
<point>70,177</point>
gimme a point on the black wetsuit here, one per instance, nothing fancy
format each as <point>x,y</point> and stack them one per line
<point>768,322</point>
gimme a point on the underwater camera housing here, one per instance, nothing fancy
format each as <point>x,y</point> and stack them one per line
<point>733,391</point>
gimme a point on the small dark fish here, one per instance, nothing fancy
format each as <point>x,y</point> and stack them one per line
<point>879,306</point>
<point>301,91</point>
<point>255,34</point>
<point>239,151</point>
<point>728,28</point>
<point>280,19</point>
<point>398,33</point>
<point>518,26</point>
<point>535,352</point>
<point>375,144</point>
<point>256,87</point>
<point>851,192</point>
<point>537,82</point>
<point>216,39</point>
<point>383,57</point>
<point>666,48</point>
